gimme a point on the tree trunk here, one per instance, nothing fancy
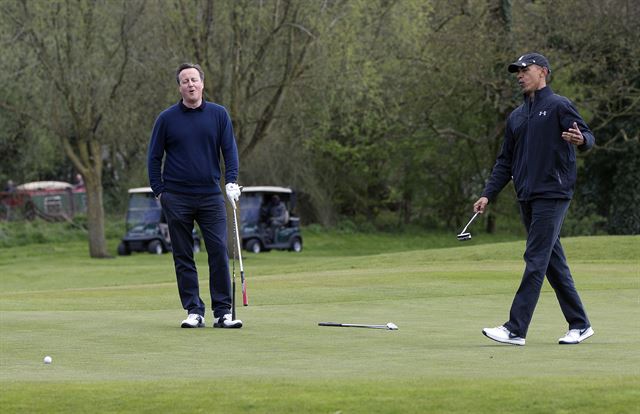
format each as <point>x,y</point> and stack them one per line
<point>88,160</point>
<point>95,220</point>
<point>491,223</point>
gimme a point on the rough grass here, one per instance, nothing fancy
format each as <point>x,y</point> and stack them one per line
<point>111,327</point>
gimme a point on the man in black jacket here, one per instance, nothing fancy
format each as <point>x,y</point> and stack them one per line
<point>539,155</point>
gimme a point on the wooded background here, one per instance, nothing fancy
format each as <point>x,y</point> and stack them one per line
<point>380,113</point>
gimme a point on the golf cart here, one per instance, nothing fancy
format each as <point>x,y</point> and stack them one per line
<point>147,228</point>
<point>260,231</point>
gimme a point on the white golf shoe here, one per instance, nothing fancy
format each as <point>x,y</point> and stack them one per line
<point>226,321</point>
<point>502,334</point>
<point>575,336</point>
<point>193,321</point>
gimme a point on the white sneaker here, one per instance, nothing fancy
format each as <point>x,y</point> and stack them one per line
<point>502,334</point>
<point>193,321</point>
<point>227,322</point>
<point>575,336</point>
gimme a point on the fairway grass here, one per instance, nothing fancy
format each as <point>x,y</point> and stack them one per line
<point>112,328</point>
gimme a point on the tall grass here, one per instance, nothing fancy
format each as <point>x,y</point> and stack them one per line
<point>24,232</point>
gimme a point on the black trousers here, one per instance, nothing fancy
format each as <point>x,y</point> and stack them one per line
<point>544,255</point>
<point>209,212</point>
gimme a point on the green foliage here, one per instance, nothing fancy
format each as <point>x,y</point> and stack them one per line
<point>377,112</point>
<point>624,211</point>
<point>601,73</point>
<point>589,225</point>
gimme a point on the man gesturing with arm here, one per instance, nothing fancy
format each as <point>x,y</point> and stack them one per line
<point>539,155</point>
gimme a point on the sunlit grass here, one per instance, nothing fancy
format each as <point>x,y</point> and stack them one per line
<point>111,327</point>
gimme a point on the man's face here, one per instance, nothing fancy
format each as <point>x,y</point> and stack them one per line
<point>531,78</point>
<point>191,86</point>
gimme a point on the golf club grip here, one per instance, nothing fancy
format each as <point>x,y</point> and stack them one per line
<point>245,298</point>
<point>329,324</point>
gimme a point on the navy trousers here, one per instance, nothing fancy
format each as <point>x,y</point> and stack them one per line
<point>544,255</point>
<point>209,212</point>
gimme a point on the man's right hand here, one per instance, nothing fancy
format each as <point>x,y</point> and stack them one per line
<point>480,205</point>
<point>233,193</point>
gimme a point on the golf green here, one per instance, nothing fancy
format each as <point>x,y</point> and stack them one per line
<point>112,329</point>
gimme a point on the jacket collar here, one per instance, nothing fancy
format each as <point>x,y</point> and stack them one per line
<point>539,94</point>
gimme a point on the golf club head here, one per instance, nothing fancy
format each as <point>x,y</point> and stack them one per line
<point>464,236</point>
<point>392,326</point>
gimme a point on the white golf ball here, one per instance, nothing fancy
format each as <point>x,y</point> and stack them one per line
<point>47,359</point>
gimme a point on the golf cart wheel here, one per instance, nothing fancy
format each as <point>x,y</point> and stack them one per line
<point>254,246</point>
<point>123,249</point>
<point>155,247</point>
<point>296,245</point>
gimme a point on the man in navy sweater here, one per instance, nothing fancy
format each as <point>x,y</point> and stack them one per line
<point>539,155</point>
<point>190,136</point>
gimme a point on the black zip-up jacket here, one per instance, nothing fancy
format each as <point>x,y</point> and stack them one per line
<point>534,155</point>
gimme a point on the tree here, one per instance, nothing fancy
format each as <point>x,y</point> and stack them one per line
<point>598,66</point>
<point>384,111</point>
<point>253,55</point>
<point>81,50</point>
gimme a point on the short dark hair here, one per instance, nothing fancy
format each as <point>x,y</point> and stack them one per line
<point>184,66</point>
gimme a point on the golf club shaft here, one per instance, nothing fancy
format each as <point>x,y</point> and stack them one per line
<point>233,298</point>
<point>470,221</point>
<point>233,288</point>
<point>353,325</point>
<point>245,298</point>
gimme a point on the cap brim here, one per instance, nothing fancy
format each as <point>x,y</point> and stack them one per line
<point>515,66</point>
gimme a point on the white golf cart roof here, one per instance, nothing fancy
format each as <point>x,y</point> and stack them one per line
<point>140,190</point>
<point>267,189</point>
<point>44,185</point>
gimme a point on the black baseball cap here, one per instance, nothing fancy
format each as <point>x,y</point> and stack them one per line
<point>528,60</point>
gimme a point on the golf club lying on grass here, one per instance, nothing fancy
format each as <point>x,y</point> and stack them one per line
<point>390,326</point>
<point>467,236</point>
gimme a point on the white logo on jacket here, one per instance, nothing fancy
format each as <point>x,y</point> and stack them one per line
<point>542,113</point>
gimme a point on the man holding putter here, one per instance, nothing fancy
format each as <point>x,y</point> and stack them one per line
<point>183,161</point>
<point>539,155</point>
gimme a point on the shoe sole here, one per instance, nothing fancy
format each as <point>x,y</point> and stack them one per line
<point>584,337</point>
<point>502,341</point>
<point>236,326</point>
<point>186,325</point>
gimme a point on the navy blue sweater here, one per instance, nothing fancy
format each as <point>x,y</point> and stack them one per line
<point>191,141</point>
<point>534,155</point>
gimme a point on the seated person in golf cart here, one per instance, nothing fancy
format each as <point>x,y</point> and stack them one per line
<point>267,221</point>
<point>275,215</point>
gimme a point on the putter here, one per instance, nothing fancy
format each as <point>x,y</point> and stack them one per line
<point>245,299</point>
<point>390,326</point>
<point>466,236</point>
<point>233,280</point>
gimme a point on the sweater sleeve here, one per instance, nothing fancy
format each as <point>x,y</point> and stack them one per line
<point>568,115</point>
<point>229,149</point>
<point>501,173</point>
<point>155,155</point>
